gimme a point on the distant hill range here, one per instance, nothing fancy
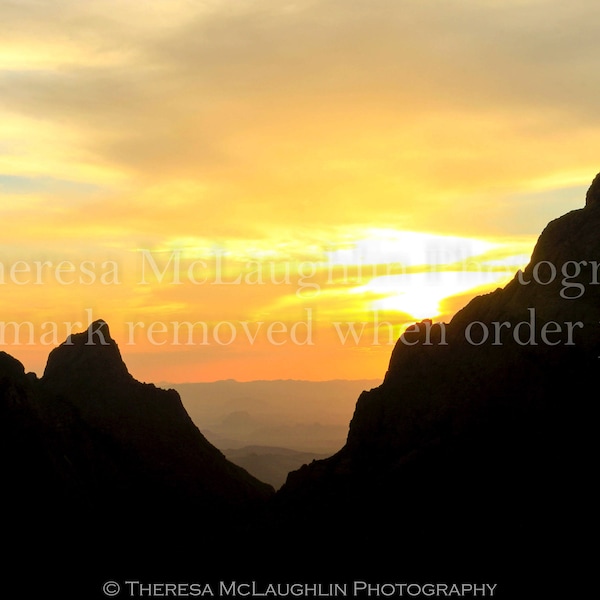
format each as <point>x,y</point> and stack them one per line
<point>308,416</point>
<point>273,427</point>
<point>270,463</point>
<point>473,461</point>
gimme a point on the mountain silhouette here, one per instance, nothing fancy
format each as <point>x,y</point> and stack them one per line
<point>151,424</point>
<point>474,456</point>
<point>110,469</point>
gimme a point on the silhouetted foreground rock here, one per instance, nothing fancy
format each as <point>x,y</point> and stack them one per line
<point>103,473</point>
<point>593,194</point>
<point>474,457</point>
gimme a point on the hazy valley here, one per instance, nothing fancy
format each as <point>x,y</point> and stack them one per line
<point>273,427</point>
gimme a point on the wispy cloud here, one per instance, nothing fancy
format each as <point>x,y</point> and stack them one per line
<point>436,136</point>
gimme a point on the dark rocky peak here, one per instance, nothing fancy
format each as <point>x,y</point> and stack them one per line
<point>592,197</point>
<point>92,355</point>
<point>121,447</point>
<point>562,279</point>
<point>88,371</point>
<point>474,434</point>
<point>574,236</point>
<point>10,366</point>
<point>13,383</point>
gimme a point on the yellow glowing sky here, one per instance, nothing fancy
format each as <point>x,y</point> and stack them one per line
<point>272,189</point>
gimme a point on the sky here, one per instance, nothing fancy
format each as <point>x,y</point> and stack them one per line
<point>270,189</point>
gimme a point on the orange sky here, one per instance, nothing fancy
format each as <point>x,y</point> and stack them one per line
<point>291,182</point>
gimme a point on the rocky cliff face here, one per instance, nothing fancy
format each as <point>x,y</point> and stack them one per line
<point>147,423</point>
<point>476,451</point>
<point>102,472</point>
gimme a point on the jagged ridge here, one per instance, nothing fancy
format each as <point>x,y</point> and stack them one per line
<point>470,440</point>
<point>106,449</point>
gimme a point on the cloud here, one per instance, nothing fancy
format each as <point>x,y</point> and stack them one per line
<point>240,118</point>
<point>188,86</point>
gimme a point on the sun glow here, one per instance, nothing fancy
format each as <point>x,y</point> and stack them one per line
<point>271,166</point>
<point>413,272</point>
<point>421,294</point>
<point>376,246</point>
